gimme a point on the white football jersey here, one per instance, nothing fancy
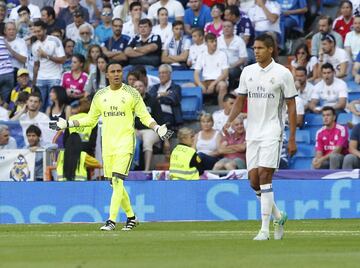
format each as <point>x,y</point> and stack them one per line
<point>266,89</point>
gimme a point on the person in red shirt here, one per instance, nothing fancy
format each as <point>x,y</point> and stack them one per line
<point>343,24</point>
<point>331,142</point>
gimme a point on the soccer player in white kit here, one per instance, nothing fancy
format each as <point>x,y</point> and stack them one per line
<point>269,88</point>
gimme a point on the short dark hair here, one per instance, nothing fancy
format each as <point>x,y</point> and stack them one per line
<point>145,21</point>
<point>36,94</point>
<point>112,63</point>
<point>162,8</point>
<point>234,10</point>
<point>302,69</point>
<point>328,66</point>
<point>328,18</point>
<point>343,2</point>
<point>210,37</point>
<point>23,96</point>
<point>49,11</point>
<point>267,39</point>
<point>67,41</point>
<point>228,96</point>
<point>40,23</point>
<point>23,8</point>
<point>140,69</point>
<point>33,129</point>
<point>134,4</point>
<point>116,19</point>
<point>199,30</point>
<point>80,58</point>
<point>177,22</point>
<point>328,108</point>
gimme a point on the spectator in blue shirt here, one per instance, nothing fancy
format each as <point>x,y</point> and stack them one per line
<point>104,31</point>
<point>292,16</point>
<point>114,46</point>
<point>86,40</point>
<point>196,16</point>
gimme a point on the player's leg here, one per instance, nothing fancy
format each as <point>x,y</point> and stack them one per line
<point>122,168</point>
<point>111,222</point>
<point>268,162</point>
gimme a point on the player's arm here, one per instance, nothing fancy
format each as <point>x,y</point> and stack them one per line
<point>291,106</point>
<point>89,121</point>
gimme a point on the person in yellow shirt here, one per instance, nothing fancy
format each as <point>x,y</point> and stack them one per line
<point>72,162</point>
<point>185,164</point>
<point>117,104</point>
<point>23,85</point>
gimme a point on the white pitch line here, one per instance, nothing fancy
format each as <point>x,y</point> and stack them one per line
<point>354,232</point>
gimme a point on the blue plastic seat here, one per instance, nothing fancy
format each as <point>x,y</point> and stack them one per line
<point>191,102</point>
<point>301,163</point>
<point>313,119</point>
<point>354,95</point>
<point>302,136</point>
<point>352,85</point>
<point>344,118</point>
<point>184,76</point>
<point>305,150</point>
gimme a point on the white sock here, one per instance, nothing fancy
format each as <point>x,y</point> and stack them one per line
<point>258,194</point>
<point>267,201</point>
<point>275,212</point>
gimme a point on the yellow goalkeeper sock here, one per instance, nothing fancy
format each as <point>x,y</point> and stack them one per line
<point>126,205</point>
<point>116,198</point>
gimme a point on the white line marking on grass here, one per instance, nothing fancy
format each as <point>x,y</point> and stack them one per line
<point>305,232</point>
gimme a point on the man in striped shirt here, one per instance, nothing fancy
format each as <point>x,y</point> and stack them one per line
<point>6,69</point>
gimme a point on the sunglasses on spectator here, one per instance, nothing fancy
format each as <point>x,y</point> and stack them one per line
<point>106,14</point>
<point>83,33</point>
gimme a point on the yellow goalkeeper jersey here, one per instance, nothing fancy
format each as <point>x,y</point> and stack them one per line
<point>118,109</point>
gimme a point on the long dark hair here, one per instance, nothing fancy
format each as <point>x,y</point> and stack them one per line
<point>60,95</point>
<point>98,72</point>
<point>305,48</point>
<point>72,155</point>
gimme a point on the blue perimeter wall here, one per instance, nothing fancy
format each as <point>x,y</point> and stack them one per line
<point>50,202</point>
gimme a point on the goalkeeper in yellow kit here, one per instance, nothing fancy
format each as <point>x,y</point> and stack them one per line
<point>117,104</point>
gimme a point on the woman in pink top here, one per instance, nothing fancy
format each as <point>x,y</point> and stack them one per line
<point>215,27</point>
<point>233,148</point>
<point>74,81</point>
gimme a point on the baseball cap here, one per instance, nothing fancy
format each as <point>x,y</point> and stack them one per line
<point>22,71</point>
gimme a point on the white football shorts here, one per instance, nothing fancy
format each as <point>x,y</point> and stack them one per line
<point>263,154</point>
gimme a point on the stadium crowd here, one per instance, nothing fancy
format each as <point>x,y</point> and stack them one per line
<point>53,57</point>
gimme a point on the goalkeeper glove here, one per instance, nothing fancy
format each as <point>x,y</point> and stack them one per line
<point>163,132</point>
<point>60,124</point>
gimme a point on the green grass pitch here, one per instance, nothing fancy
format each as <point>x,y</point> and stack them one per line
<point>307,243</point>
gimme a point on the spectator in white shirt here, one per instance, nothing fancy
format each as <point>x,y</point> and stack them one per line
<point>330,91</point>
<point>265,15</point>
<point>338,57</point>
<point>164,28</point>
<point>49,57</point>
<point>304,88</point>
<point>131,27</point>
<point>31,111</point>
<point>17,46</point>
<point>235,49</point>
<point>6,141</point>
<point>352,39</point>
<point>35,13</point>
<point>174,8</point>
<point>221,116</point>
<point>197,48</point>
<point>73,29</point>
<point>176,51</point>
<point>214,66</point>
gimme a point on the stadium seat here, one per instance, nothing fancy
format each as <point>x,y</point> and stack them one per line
<point>352,85</point>
<point>305,150</point>
<point>191,102</point>
<point>302,136</point>
<point>344,118</point>
<point>354,95</point>
<point>312,131</point>
<point>184,76</point>
<point>300,163</point>
<point>313,119</point>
